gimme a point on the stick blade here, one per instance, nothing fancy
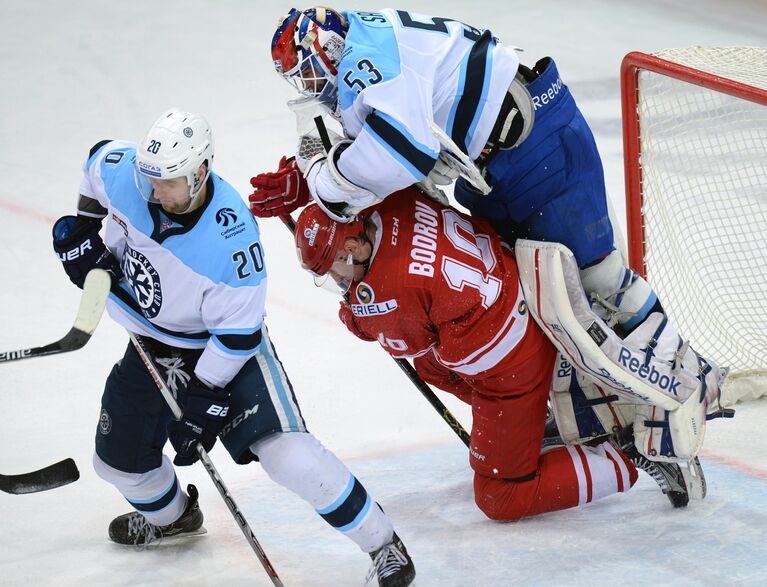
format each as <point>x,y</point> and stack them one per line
<point>93,300</point>
<point>51,477</point>
<point>92,303</point>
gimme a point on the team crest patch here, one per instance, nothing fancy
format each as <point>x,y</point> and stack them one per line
<point>105,422</point>
<point>144,281</point>
<point>365,293</point>
<point>368,307</point>
<point>522,307</point>
<point>225,217</point>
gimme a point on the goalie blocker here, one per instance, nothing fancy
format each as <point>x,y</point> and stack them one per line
<point>671,385</point>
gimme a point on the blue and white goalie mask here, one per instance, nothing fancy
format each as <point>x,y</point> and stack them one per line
<point>306,50</point>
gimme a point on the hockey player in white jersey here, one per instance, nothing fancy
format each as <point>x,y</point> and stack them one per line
<point>190,279</point>
<point>425,100</point>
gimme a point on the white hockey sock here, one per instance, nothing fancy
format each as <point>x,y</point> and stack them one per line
<point>300,463</point>
<point>156,494</point>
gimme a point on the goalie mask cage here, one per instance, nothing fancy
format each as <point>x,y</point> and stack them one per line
<point>695,150</point>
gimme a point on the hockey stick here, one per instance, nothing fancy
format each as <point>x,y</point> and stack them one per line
<point>92,302</point>
<point>411,373</point>
<point>207,463</point>
<point>52,476</point>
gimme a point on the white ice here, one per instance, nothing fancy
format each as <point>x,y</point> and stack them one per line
<point>75,72</point>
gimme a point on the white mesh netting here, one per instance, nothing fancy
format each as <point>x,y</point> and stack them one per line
<point>704,179</point>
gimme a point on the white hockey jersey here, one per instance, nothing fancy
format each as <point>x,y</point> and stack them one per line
<point>202,285</point>
<point>399,72</point>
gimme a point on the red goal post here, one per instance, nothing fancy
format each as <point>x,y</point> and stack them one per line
<point>695,158</point>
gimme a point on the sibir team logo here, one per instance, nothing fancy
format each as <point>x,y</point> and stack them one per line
<point>144,281</point>
<point>105,422</point>
<point>225,217</point>
<point>188,132</point>
<point>365,293</point>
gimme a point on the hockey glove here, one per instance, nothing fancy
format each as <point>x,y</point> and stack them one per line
<point>346,316</point>
<point>79,247</point>
<point>205,411</point>
<point>279,192</point>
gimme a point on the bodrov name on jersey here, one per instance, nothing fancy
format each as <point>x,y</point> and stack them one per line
<point>424,241</point>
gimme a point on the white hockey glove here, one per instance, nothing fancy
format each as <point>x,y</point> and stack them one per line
<point>339,198</point>
<point>443,173</point>
<point>306,109</point>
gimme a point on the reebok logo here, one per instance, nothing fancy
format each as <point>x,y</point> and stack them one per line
<point>549,94</point>
<point>649,374</point>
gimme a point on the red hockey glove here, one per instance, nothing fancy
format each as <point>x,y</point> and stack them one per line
<point>279,192</point>
<point>347,317</point>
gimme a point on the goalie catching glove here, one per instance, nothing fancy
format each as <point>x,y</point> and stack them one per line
<point>280,192</point>
<point>205,411</point>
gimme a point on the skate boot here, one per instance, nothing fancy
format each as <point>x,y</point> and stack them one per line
<point>392,565</point>
<point>134,529</point>
<point>551,436</point>
<point>672,478</point>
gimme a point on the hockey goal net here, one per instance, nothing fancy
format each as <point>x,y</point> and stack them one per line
<point>695,149</point>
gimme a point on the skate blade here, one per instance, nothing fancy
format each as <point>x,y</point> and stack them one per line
<point>174,539</point>
<point>694,478</point>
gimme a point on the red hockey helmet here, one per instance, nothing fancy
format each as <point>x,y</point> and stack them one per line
<point>320,244</point>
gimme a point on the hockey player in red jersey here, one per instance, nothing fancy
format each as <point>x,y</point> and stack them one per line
<point>437,286</point>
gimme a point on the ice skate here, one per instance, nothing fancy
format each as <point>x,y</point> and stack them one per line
<point>134,529</point>
<point>670,477</point>
<point>392,565</point>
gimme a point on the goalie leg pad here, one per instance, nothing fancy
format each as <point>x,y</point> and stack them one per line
<point>652,365</point>
<point>582,409</point>
<point>666,436</point>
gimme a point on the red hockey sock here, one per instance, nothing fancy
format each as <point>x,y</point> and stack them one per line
<point>566,477</point>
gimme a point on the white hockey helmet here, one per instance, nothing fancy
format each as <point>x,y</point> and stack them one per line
<point>175,146</point>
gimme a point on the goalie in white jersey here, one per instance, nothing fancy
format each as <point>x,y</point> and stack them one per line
<point>426,99</point>
<point>190,278</point>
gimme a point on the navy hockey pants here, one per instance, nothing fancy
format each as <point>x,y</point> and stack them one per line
<point>134,417</point>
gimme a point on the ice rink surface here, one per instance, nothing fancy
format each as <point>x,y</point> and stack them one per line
<point>75,72</point>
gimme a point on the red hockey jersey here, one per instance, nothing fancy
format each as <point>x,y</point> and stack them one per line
<point>443,282</point>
